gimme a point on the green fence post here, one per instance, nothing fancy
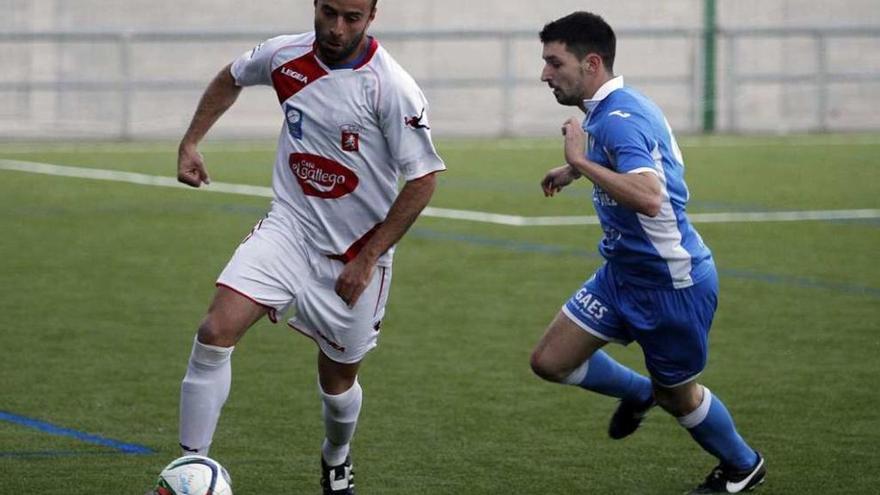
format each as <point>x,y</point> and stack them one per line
<point>710,31</point>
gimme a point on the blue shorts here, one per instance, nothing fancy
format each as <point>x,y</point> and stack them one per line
<point>671,325</point>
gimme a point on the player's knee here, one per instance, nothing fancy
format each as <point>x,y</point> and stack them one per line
<point>667,403</point>
<point>337,385</point>
<point>214,332</point>
<point>545,368</point>
<point>677,402</point>
<point>342,403</point>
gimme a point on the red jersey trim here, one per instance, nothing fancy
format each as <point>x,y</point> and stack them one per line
<point>300,330</point>
<point>379,298</point>
<point>371,50</point>
<point>368,55</point>
<point>353,250</point>
<point>272,313</point>
<point>323,337</point>
<point>432,172</point>
<point>291,77</point>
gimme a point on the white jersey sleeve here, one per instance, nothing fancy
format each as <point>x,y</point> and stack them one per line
<point>254,67</point>
<point>403,117</point>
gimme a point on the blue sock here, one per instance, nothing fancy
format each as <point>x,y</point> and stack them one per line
<point>602,374</point>
<point>712,427</point>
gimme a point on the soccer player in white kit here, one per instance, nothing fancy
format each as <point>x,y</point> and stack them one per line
<point>354,124</point>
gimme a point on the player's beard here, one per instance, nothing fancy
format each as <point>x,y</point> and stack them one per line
<point>332,55</point>
<point>567,99</point>
<point>574,96</point>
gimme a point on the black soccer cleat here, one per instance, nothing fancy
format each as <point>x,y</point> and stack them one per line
<point>627,418</point>
<point>726,480</point>
<point>337,480</point>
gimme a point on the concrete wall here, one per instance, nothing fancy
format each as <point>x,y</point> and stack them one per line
<point>474,110</point>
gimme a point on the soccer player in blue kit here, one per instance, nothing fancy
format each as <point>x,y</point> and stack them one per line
<point>658,285</point>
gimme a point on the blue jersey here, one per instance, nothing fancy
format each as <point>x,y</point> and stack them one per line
<point>629,134</point>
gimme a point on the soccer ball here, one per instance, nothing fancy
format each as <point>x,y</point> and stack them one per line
<point>193,475</point>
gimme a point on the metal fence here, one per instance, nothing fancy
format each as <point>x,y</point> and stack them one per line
<point>145,84</point>
<point>833,84</point>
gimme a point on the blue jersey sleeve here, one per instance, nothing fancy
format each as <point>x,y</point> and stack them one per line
<point>629,142</point>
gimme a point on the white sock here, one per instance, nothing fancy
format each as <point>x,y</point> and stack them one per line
<point>577,376</point>
<point>697,416</point>
<point>202,394</point>
<point>340,419</point>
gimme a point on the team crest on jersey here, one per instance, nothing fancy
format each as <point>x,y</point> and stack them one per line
<point>350,137</point>
<point>322,177</point>
<point>294,117</point>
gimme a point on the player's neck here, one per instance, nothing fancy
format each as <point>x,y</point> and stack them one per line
<point>357,55</point>
<point>596,83</point>
<point>592,87</point>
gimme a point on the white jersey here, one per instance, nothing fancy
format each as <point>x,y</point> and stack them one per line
<point>349,134</point>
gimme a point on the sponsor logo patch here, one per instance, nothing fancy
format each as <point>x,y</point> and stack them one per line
<point>589,305</point>
<point>255,50</point>
<point>299,76</point>
<point>294,117</point>
<point>350,137</point>
<point>322,177</point>
<point>415,122</point>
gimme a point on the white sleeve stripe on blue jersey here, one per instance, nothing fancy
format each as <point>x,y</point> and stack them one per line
<point>663,234</point>
<point>644,169</point>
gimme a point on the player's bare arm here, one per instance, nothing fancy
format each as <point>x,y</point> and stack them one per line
<point>557,178</point>
<point>641,192</point>
<point>413,198</point>
<point>220,94</point>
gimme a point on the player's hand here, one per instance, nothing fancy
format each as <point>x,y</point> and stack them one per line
<point>191,167</point>
<point>557,178</point>
<point>575,141</point>
<point>353,280</point>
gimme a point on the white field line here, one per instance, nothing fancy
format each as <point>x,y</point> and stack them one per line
<point>128,177</point>
<point>467,215</point>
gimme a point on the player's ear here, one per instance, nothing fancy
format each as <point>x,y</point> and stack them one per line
<point>592,63</point>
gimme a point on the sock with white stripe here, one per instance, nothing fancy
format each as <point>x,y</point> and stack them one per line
<point>602,374</point>
<point>711,425</point>
<point>340,420</point>
<point>202,394</point>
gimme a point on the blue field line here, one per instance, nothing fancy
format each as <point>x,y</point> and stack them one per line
<point>585,192</point>
<point>118,446</point>
<point>507,244</point>
<point>533,247</point>
<point>53,453</point>
<point>801,282</point>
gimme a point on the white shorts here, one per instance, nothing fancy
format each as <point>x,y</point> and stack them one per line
<point>275,268</point>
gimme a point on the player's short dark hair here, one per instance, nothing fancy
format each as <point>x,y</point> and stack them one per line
<point>373,7</point>
<point>583,33</point>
